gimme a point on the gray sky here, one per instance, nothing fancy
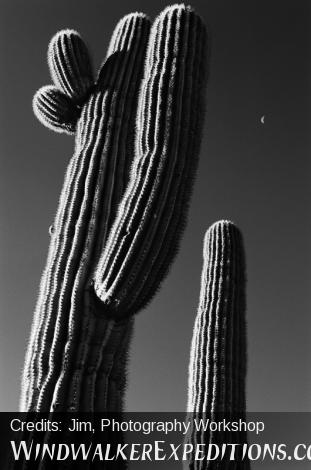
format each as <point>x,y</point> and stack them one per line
<point>257,175</point>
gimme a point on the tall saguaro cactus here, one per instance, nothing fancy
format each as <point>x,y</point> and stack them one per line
<point>217,370</point>
<point>123,204</point>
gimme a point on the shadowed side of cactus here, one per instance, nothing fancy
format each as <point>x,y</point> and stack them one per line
<point>217,370</point>
<point>106,259</point>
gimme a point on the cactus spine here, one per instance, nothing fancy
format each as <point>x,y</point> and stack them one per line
<point>217,369</point>
<point>111,246</point>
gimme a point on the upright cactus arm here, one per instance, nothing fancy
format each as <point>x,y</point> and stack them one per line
<point>145,236</point>
<point>217,369</point>
<point>95,180</point>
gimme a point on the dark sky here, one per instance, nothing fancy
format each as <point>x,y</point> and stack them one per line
<point>257,175</point>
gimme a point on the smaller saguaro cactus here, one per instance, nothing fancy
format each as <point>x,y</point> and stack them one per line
<point>217,369</point>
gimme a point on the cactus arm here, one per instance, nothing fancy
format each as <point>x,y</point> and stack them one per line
<point>55,109</point>
<point>70,65</point>
<point>93,186</point>
<point>217,369</point>
<point>137,255</point>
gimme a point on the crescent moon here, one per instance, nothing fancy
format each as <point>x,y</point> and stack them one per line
<point>262,119</point>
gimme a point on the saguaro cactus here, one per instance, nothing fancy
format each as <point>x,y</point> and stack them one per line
<point>217,370</point>
<point>138,126</point>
